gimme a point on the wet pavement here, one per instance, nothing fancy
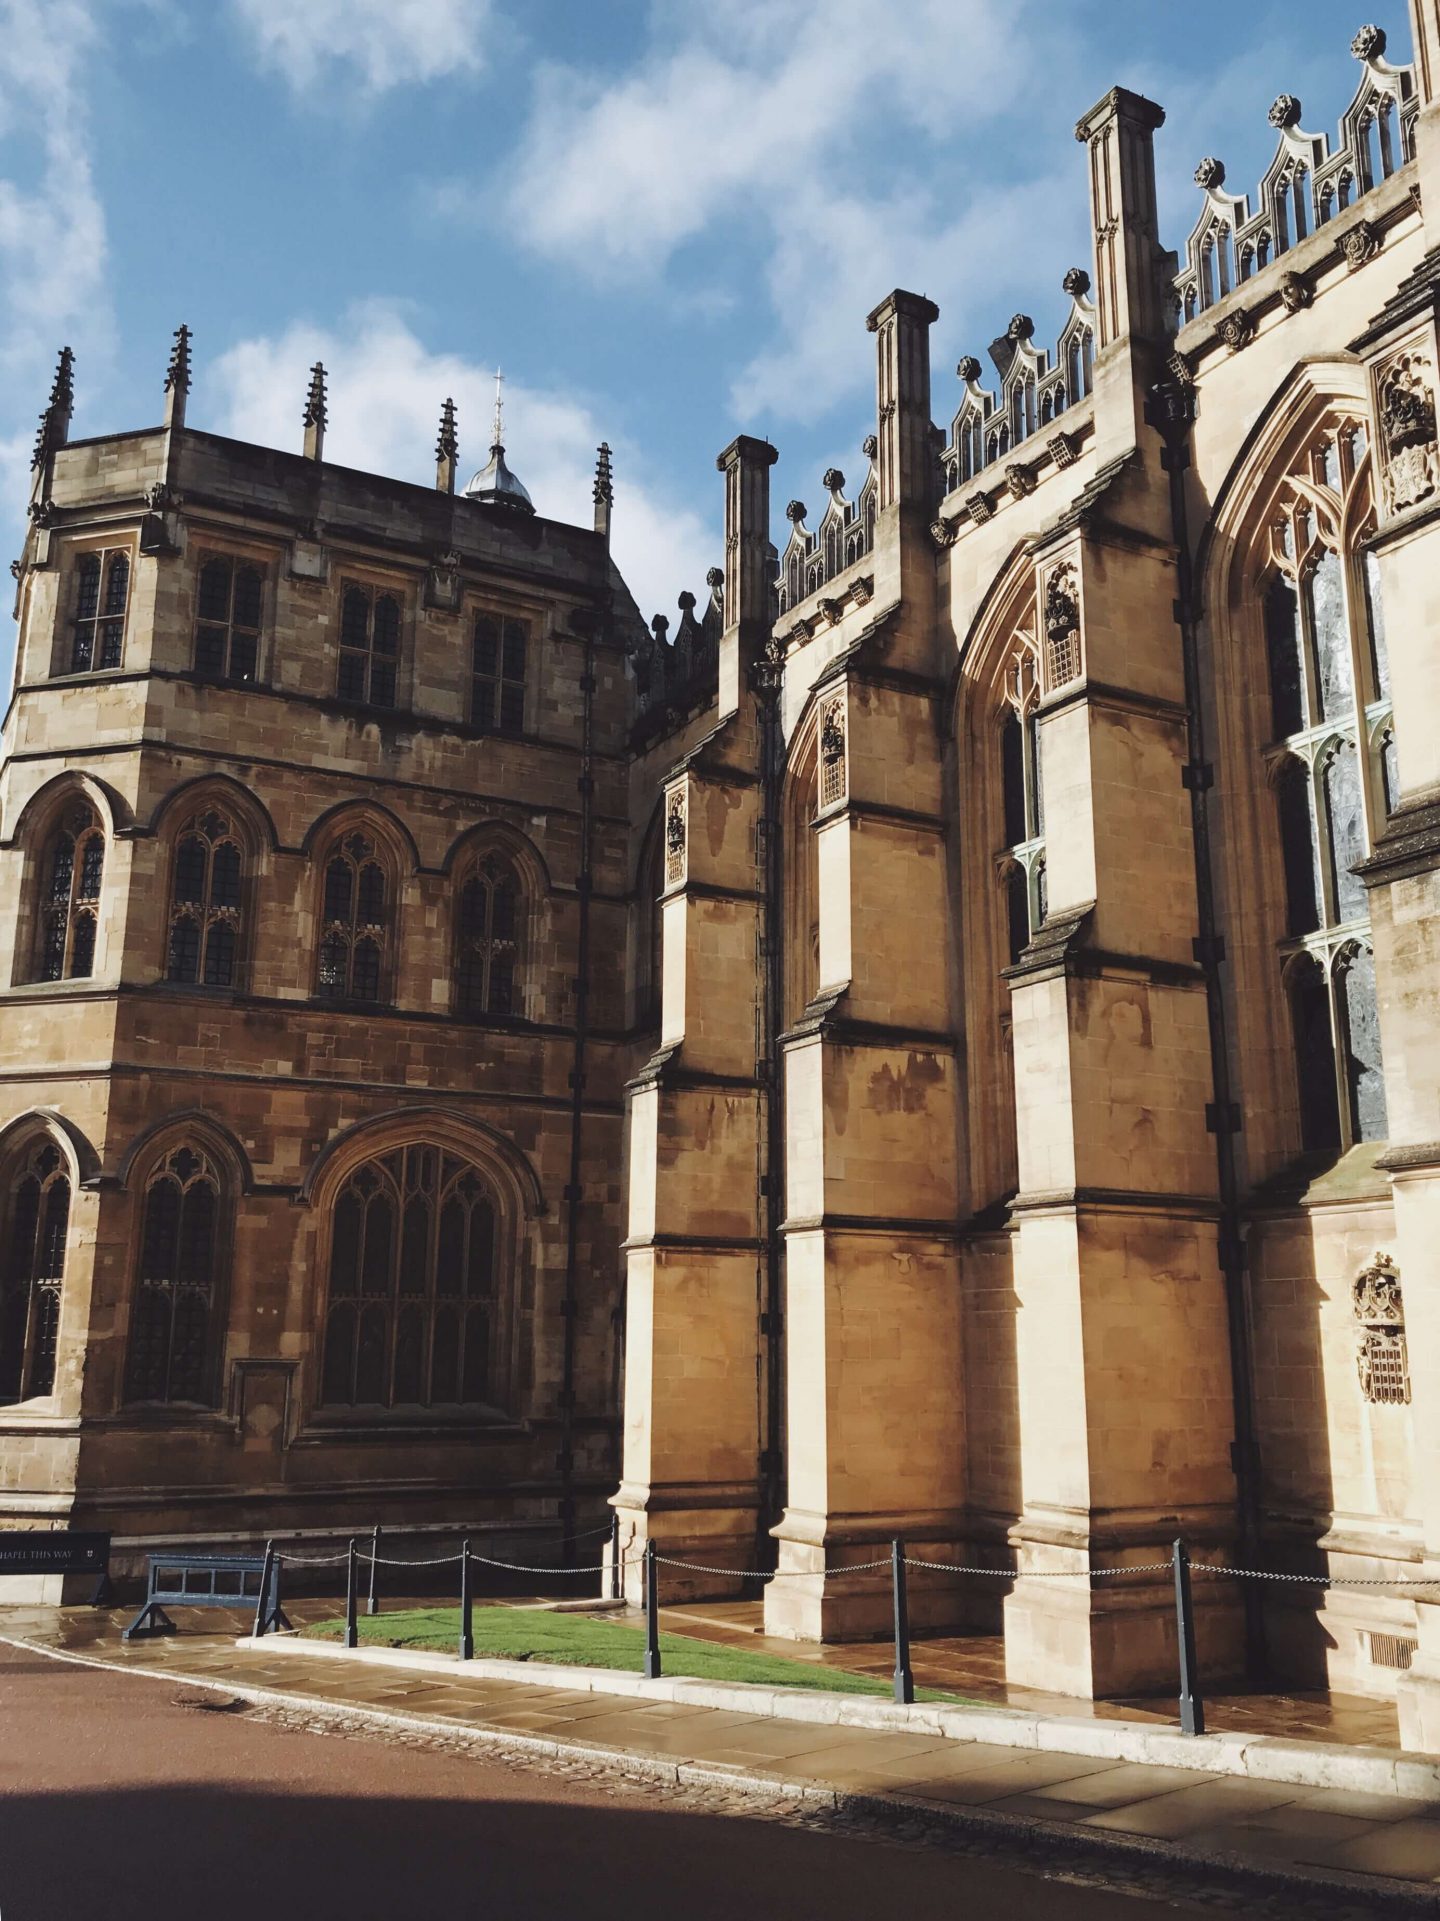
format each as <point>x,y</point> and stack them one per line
<point>1065,1800</point>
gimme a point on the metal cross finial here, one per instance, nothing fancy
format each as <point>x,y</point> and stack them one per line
<point>497,438</point>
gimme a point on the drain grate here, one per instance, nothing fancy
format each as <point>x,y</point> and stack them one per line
<point>1390,1650</point>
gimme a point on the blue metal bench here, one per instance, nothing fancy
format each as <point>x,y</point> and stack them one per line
<point>209,1581</point>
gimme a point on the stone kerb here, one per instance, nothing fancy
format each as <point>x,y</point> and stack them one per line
<point>1312,1764</point>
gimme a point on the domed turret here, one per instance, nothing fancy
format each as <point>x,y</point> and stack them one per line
<point>495,485</point>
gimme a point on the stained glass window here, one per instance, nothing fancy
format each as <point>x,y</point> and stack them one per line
<point>355,923</point>
<point>172,1335</point>
<point>410,1320</point>
<point>73,870</point>
<point>487,939</point>
<point>205,909</point>
<point>32,1271</point>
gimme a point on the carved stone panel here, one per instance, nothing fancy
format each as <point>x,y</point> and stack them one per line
<point>1405,396</point>
<point>676,837</point>
<point>834,773</point>
<point>1064,661</point>
<point>1381,1356</point>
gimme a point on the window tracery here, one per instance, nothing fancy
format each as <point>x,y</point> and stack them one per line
<point>102,593</point>
<point>1381,1357</point>
<point>369,646</point>
<point>205,902</point>
<point>488,939</point>
<point>1021,862</point>
<point>1332,769</point>
<point>72,874</point>
<point>228,611</point>
<point>175,1326</point>
<point>33,1273</point>
<point>411,1317</point>
<point>355,919</point>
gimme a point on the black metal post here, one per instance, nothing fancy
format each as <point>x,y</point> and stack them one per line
<point>904,1679</point>
<point>616,1589</point>
<point>467,1619</point>
<point>652,1615</point>
<point>1192,1707</point>
<point>262,1604</point>
<point>352,1633</point>
<point>372,1599</point>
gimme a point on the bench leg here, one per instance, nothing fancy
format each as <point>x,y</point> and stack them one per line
<point>104,1595</point>
<point>158,1620</point>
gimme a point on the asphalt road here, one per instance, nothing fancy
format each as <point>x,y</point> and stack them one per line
<point>123,1797</point>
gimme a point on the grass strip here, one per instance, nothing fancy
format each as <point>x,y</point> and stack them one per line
<point>578,1640</point>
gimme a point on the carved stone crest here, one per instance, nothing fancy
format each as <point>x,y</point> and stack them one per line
<point>979,508</point>
<point>1062,449</point>
<point>1062,626</point>
<point>675,838</point>
<point>1382,1358</point>
<point>1237,330</point>
<point>1407,430</point>
<point>832,752</point>
<point>1359,244</point>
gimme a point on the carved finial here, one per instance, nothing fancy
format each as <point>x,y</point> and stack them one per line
<point>1285,111</point>
<point>62,388</point>
<point>447,444</point>
<point>715,579</point>
<point>42,436</point>
<point>316,413</point>
<point>968,369</point>
<point>177,374</point>
<point>1076,283</point>
<point>833,481</point>
<point>870,446</point>
<point>660,626</point>
<point>1210,173</point>
<point>316,410</point>
<point>795,512</point>
<point>604,484</point>
<point>686,603</point>
<point>1369,44</point>
<point>1021,327</point>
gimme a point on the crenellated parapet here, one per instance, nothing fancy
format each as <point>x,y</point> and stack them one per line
<point>1036,386</point>
<point>673,676</point>
<point>845,534</point>
<point>1307,184</point>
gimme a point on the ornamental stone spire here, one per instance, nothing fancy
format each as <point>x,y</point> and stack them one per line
<point>177,379</point>
<point>447,450</point>
<point>604,491</point>
<point>317,414</point>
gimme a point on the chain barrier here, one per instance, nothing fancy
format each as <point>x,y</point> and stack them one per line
<point>773,1574</point>
<point>1315,1580</point>
<point>1041,1574</point>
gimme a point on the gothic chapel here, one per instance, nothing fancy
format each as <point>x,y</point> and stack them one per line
<point>946,1045</point>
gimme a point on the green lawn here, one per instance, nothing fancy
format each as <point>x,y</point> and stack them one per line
<point>579,1640</point>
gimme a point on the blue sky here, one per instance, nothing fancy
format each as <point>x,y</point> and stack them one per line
<point>666,221</point>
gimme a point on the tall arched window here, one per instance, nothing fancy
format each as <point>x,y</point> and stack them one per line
<point>174,1331</point>
<point>102,593</point>
<point>32,1271</point>
<point>205,906</point>
<point>650,931</point>
<point>227,618</point>
<point>800,848</point>
<point>487,939</point>
<point>1021,861</point>
<point>1331,764</point>
<point>369,646</point>
<point>411,1317</point>
<point>355,917</point>
<point>72,871</point>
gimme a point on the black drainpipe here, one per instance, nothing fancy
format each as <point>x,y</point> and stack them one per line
<point>586,626</point>
<point>1171,412</point>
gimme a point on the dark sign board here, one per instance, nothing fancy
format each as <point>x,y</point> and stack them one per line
<point>38,1553</point>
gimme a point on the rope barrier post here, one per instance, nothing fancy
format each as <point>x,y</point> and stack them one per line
<point>372,1599</point>
<point>262,1600</point>
<point>352,1633</point>
<point>615,1554</point>
<point>652,1615</point>
<point>1192,1707</point>
<point>904,1678</point>
<point>467,1618</point>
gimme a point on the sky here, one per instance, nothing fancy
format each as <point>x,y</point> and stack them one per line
<point>665,220</point>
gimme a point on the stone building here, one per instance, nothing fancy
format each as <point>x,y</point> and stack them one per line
<point>978,980</point>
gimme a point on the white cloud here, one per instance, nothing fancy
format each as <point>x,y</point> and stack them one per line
<point>388,43</point>
<point>385,390</point>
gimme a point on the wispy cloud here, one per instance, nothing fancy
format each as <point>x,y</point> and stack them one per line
<point>386,387</point>
<point>385,43</point>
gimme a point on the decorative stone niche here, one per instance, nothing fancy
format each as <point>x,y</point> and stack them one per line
<point>1405,393</point>
<point>834,775</point>
<point>676,838</point>
<point>1064,660</point>
<point>1381,1356</point>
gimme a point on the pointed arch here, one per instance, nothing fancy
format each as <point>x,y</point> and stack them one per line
<point>800,865</point>
<point>212,832</point>
<point>187,796</point>
<point>446,1127</point>
<point>44,1159</point>
<point>362,854</point>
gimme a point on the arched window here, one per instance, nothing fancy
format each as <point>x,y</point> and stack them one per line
<point>487,939</point>
<point>72,871</point>
<point>175,1331</point>
<point>102,593</point>
<point>497,685</point>
<point>411,1318</point>
<point>205,906</point>
<point>355,920</point>
<point>227,619</point>
<point>32,1270</point>
<point>1334,775</point>
<point>1021,861</point>
<point>369,646</point>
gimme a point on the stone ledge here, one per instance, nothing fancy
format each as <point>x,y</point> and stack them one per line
<point>1313,1764</point>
